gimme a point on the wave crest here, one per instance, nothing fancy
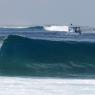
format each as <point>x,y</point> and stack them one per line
<point>23,56</point>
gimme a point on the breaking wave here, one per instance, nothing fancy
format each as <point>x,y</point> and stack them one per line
<point>28,57</point>
<point>57,28</point>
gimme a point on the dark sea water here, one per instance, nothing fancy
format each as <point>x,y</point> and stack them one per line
<point>34,61</point>
<point>24,56</point>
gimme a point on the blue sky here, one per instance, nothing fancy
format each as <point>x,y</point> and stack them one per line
<point>39,12</point>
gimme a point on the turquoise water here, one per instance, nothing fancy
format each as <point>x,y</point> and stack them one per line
<point>42,58</point>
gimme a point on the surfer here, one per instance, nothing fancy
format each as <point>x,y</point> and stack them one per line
<point>77,30</point>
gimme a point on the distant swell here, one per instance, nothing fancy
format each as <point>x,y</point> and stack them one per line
<point>23,27</point>
<point>27,57</point>
<point>36,27</point>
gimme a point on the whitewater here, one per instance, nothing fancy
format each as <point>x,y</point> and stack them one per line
<point>38,61</point>
<point>46,86</point>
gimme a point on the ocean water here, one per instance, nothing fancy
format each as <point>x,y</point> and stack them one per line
<point>35,61</point>
<point>46,86</point>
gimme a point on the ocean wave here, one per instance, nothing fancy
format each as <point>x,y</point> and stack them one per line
<point>22,27</point>
<point>31,57</point>
<point>13,27</point>
<point>57,28</point>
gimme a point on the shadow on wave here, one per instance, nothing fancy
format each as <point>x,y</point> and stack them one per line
<point>21,56</point>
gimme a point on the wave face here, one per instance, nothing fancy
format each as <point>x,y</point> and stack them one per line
<point>28,57</point>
